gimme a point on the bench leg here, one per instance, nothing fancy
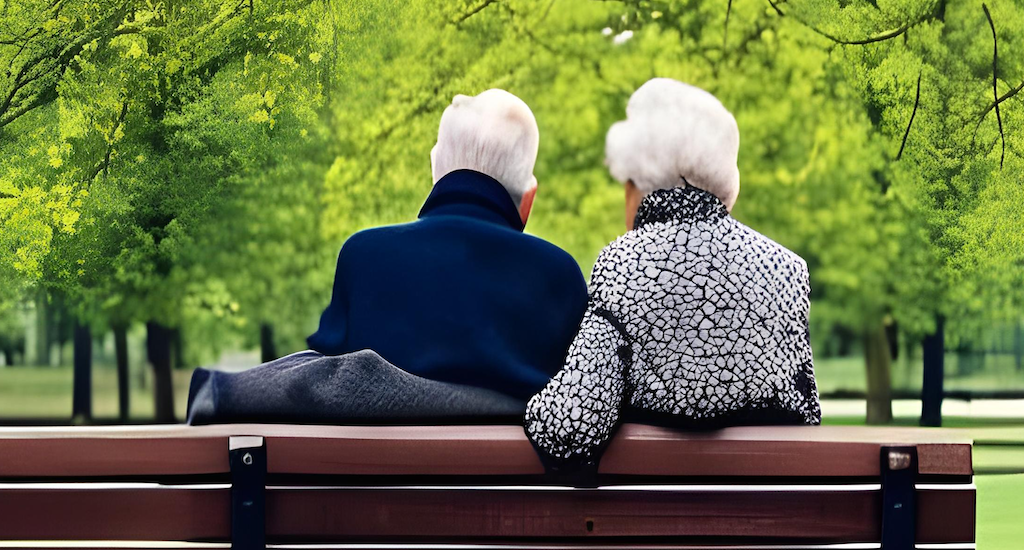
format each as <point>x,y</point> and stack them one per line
<point>248,459</point>
<point>899,507</point>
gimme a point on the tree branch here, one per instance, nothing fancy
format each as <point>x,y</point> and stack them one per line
<point>21,39</point>
<point>917,100</point>
<point>474,11</point>
<point>995,92</point>
<point>880,37</point>
<point>987,110</point>
<point>725,31</point>
<point>1002,98</point>
<point>53,63</point>
<point>869,40</point>
<point>18,85</point>
<point>37,101</point>
<point>35,30</point>
<point>21,49</point>
<point>104,165</point>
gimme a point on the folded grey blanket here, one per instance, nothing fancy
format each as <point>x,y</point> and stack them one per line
<point>356,388</point>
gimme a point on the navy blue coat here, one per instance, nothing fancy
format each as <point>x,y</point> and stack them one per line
<point>460,295</point>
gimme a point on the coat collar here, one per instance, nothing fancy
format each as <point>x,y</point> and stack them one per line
<point>679,204</point>
<point>472,194</point>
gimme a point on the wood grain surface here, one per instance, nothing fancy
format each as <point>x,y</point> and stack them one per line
<point>834,451</point>
<point>340,514</point>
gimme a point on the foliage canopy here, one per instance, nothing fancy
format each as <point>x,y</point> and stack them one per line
<point>199,163</point>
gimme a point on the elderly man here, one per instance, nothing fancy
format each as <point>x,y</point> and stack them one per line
<point>462,294</point>
<point>457,315</point>
<point>694,319</point>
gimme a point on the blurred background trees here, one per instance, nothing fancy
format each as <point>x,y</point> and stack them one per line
<point>163,173</point>
<point>183,173</point>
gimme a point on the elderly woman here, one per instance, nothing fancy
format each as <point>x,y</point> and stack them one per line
<point>694,320</point>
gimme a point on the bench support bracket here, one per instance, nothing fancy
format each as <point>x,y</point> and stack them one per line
<point>899,503</point>
<point>248,460</point>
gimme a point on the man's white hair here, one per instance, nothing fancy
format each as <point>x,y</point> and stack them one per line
<point>674,131</point>
<point>494,133</point>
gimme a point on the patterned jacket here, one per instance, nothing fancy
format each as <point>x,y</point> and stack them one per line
<point>694,320</point>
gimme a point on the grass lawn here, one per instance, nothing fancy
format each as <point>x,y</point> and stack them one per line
<point>46,392</point>
<point>1000,512</point>
<point>34,392</point>
<point>999,372</point>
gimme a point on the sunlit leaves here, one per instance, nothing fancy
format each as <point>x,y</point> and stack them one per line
<point>228,150</point>
<point>168,125</point>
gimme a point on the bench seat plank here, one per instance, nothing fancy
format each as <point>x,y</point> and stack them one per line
<point>810,514</point>
<point>826,515</point>
<point>110,513</point>
<point>799,451</point>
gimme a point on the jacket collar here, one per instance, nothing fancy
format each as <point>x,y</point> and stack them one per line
<point>472,194</point>
<point>679,204</point>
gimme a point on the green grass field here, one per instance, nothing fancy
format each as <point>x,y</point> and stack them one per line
<point>32,392</point>
<point>46,392</point>
<point>998,372</point>
<point>1000,512</point>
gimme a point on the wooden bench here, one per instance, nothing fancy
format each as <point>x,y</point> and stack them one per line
<point>480,488</point>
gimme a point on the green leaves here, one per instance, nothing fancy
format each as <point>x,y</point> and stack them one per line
<point>168,160</point>
<point>149,129</point>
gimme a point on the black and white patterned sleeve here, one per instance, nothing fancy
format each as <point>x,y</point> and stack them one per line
<point>806,383</point>
<point>574,416</point>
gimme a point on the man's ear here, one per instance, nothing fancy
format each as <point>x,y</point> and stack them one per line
<point>526,204</point>
<point>433,166</point>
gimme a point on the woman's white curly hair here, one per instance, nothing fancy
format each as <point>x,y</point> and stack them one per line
<point>674,131</point>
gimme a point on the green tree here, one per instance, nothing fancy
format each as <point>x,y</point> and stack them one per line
<point>145,142</point>
<point>196,165</point>
<point>824,94</point>
<point>933,80</point>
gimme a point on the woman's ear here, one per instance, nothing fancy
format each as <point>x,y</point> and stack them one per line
<point>526,204</point>
<point>633,198</point>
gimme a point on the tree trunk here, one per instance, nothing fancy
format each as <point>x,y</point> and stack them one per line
<point>81,403</point>
<point>9,357</point>
<point>177,355</point>
<point>121,353</point>
<point>268,351</point>
<point>933,350</point>
<point>892,334</point>
<point>877,360</point>
<point>42,357</point>
<point>62,327</point>
<point>158,350</point>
